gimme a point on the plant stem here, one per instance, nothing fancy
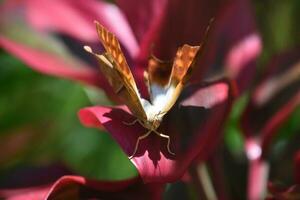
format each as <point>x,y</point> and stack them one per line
<point>206,182</point>
<point>257,179</point>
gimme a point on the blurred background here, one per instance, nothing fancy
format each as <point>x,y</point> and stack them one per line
<point>38,113</point>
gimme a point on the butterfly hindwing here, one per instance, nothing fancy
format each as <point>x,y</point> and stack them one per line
<point>183,63</point>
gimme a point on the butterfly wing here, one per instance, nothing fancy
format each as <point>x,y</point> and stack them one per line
<point>115,68</point>
<point>158,75</point>
<point>183,64</point>
<point>166,80</point>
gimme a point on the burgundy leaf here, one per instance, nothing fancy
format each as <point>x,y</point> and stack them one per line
<point>270,129</point>
<point>233,43</point>
<point>76,187</point>
<point>30,182</point>
<point>278,191</point>
<point>193,127</point>
<point>32,176</point>
<point>272,101</point>
<point>274,98</point>
<point>69,186</point>
<point>142,15</point>
<point>183,22</point>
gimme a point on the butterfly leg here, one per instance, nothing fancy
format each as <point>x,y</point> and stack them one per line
<point>131,123</point>
<point>138,141</point>
<point>167,137</point>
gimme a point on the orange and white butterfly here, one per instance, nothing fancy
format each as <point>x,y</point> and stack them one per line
<point>165,81</point>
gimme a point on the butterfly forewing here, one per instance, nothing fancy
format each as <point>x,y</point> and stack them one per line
<point>115,68</point>
<point>185,60</point>
<point>183,63</point>
<point>112,46</point>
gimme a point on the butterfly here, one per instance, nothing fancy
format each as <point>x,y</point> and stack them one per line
<point>165,81</point>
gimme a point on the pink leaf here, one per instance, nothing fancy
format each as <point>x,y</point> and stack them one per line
<point>50,64</point>
<point>75,18</point>
<point>31,193</point>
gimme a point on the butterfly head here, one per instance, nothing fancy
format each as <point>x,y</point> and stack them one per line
<point>152,125</point>
<point>154,121</point>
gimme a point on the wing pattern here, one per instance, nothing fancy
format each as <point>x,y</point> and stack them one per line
<point>116,70</point>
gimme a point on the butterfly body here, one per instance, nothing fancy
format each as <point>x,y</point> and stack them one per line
<point>165,81</point>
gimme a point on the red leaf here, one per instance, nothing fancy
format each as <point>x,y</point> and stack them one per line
<point>194,131</point>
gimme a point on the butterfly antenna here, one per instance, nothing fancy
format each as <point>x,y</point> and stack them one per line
<point>208,28</point>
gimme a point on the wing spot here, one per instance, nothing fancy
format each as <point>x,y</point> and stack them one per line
<point>120,59</point>
<point>113,42</point>
<point>191,54</point>
<point>103,34</point>
<point>114,53</point>
<point>179,63</point>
